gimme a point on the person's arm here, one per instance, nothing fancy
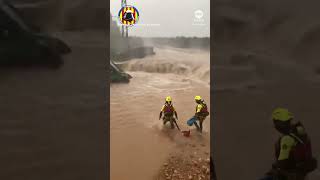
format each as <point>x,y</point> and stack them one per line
<point>286,145</point>
<point>198,109</point>
<point>161,112</point>
<point>176,114</point>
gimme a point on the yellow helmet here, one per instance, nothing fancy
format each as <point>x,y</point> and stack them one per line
<point>168,99</point>
<point>281,114</point>
<point>197,98</point>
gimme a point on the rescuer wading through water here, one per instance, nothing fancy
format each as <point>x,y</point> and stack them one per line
<point>168,112</point>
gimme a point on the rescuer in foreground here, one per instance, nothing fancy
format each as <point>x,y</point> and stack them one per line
<point>293,152</point>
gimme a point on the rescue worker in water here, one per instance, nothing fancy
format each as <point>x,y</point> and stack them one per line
<point>168,112</point>
<point>201,112</point>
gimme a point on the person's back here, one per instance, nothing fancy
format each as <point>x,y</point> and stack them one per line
<point>293,149</point>
<point>202,109</point>
<point>201,112</point>
<point>302,152</point>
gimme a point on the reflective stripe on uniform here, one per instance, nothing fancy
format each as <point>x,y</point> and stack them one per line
<point>286,144</point>
<point>162,109</point>
<point>164,106</point>
<point>199,107</point>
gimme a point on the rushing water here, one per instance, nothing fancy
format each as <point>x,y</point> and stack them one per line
<point>139,142</point>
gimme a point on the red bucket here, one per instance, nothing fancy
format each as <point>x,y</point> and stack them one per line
<point>186,133</point>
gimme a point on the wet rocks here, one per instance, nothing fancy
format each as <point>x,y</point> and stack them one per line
<point>191,164</point>
<point>208,160</point>
<point>195,163</point>
<point>208,171</point>
<point>181,168</point>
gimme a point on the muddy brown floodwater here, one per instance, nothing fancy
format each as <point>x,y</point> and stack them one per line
<point>139,143</point>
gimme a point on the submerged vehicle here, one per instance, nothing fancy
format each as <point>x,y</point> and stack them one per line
<point>117,75</point>
<point>22,45</point>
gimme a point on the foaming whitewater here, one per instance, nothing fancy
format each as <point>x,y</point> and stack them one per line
<point>193,64</point>
<point>139,142</point>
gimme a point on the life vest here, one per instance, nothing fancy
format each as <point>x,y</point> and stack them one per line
<point>300,154</point>
<point>204,110</point>
<point>302,151</point>
<point>168,109</point>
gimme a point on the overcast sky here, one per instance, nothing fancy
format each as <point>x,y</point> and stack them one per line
<point>168,18</point>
